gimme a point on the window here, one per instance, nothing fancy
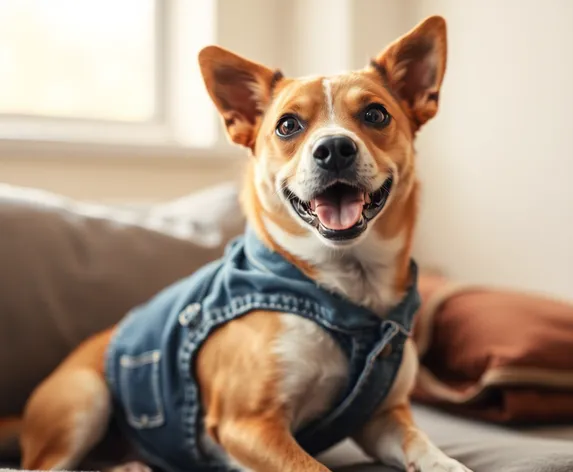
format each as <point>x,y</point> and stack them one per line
<point>105,71</point>
<point>70,59</point>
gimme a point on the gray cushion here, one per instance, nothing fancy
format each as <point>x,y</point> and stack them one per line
<point>482,447</point>
<point>485,447</point>
<point>70,269</point>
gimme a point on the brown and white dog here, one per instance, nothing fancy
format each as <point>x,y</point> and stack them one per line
<point>362,126</point>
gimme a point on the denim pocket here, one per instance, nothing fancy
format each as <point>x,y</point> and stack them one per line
<point>140,389</point>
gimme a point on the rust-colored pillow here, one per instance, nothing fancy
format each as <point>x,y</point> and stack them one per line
<point>494,354</point>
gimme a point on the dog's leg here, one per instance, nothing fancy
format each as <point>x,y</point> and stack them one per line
<point>69,412</point>
<point>392,436</point>
<point>265,445</point>
<point>246,413</point>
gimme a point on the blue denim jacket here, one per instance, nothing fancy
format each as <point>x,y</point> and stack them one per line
<point>149,362</point>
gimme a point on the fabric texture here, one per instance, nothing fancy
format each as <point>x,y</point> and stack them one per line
<point>70,269</point>
<point>151,356</point>
<point>494,354</point>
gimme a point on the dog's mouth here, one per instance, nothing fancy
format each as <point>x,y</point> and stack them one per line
<point>341,212</point>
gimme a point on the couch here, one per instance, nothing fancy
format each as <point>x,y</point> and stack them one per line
<point>72,268</point>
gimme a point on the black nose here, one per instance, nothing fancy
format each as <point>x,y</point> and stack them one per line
<point>335,153</point>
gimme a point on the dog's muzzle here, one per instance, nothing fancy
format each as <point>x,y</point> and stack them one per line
<point>341,212</point>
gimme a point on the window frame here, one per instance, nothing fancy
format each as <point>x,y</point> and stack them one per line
<point>167,133</point>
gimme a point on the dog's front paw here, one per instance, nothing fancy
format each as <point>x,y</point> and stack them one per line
<point>436,461</point>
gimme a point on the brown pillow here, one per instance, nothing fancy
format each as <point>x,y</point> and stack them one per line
<point>494,354</point>
<point>70,269</point>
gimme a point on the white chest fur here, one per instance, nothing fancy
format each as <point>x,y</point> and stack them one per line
<point>364,273</point>
<point>314,368</point>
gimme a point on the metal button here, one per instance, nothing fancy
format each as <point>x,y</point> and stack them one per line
<point>144,420</point>
<point>189,313</point>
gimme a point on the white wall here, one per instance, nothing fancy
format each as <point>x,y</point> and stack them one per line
<point>497,162</point>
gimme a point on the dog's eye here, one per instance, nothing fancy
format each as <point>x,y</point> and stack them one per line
<point>287,126</point>
<point>376,115</point>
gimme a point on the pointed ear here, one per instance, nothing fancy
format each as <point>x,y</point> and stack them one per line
<point>414,67</point>
<point>240,89</point>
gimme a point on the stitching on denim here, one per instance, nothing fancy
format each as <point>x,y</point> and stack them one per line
<point>156,389</point>
<point>128,364</point>
<point>189,410</point>
<point>139,360</point>
<point>290,304</point>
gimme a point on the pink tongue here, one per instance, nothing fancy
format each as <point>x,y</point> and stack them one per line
<point>339,213</point>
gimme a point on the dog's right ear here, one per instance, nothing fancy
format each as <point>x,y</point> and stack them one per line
<point>240,89</point>
<point>414,66</point>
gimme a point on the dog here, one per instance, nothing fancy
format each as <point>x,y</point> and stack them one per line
<point>299,336</point>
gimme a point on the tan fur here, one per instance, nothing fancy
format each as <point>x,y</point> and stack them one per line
<point>239,391</point>
<point>241,114</point>
<point>63,405</point>
<point>249,410</point>
<point>229,357</point>
<point>401,219</point>
<point>255,212</point>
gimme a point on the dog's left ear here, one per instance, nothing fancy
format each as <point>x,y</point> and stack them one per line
<point>414,65</point>
<point>241,90</point>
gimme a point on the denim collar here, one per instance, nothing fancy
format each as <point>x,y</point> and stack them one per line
<point>269,261</point>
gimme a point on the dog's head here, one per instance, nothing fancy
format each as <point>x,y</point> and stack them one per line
<point>332,156</point>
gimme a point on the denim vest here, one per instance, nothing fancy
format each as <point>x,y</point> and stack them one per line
<point>149,362</point>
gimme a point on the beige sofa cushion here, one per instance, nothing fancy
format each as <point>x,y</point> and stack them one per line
<point>69,269</point>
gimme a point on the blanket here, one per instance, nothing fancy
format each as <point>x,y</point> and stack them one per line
<point>494,354</point>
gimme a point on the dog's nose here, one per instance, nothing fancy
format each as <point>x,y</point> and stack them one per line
<point>335,153</point>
